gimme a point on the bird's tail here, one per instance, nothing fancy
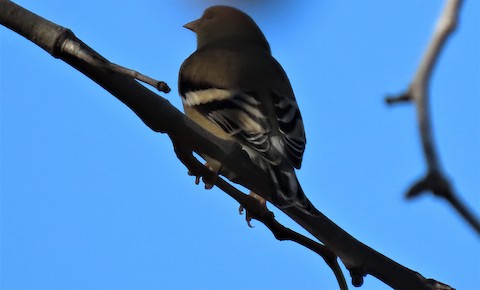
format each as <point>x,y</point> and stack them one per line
<point>288,192</point>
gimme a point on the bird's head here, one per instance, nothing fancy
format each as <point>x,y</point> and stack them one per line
<point>226,24</point>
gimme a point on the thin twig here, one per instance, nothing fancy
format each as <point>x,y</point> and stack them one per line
<point>101,62</point>
<point>435,180</point>
<point>159,85</point>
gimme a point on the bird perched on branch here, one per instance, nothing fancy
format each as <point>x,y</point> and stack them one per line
<point>233,87</point>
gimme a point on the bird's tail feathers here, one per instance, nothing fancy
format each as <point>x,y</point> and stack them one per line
<point>288,192</point>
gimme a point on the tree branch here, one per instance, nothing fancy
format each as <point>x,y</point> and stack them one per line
<point>434,180</point>
<point>159,115</point>
<point>261,213</point>
<point>281,232</point>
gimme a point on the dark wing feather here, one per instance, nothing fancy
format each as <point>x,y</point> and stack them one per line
<point>290,125</point>
<point>237,113</point>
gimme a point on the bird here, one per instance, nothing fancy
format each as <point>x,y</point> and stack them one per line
<point>234,88</point>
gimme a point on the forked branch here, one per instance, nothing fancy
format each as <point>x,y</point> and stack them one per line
<point>435,180</point>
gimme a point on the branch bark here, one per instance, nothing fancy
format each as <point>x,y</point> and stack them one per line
<point>435,180</point>
<point>159,115</point>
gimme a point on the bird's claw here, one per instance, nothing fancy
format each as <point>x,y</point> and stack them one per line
<point>209,182</point>
<point>248,215</point>
<point>197,177</point>
<point>208,185</point>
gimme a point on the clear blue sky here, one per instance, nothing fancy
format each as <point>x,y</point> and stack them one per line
<point>92,199</point>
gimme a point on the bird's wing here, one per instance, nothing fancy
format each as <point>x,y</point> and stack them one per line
<point>239,107</point>
<point>290,125</point>
<point>237,113</point>
<point>290,122</point>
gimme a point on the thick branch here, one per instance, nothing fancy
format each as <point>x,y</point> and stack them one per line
<point>435,180</point>
<point>159,115</point>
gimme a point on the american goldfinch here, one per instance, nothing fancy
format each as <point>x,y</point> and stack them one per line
<point>233,87</point>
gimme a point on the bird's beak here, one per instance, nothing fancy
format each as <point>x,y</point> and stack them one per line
<point>192,25</point>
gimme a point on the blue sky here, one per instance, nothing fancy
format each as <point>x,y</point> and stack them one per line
<point>92,199</point>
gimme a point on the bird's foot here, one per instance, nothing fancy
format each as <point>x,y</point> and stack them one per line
<point>208,180</point>
<point>248,215</point>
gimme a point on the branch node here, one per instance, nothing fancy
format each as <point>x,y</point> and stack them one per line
<point>433,182</point>
<point>357,275</point>
<point>395,99</point>
<point>163,87</point>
